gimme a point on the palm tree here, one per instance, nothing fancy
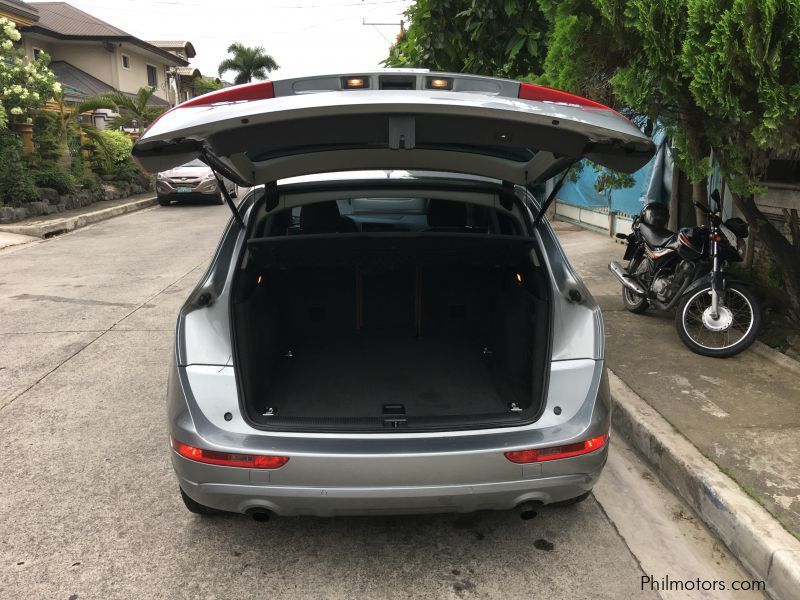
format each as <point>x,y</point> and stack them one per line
<point>248,63</point>
<point>69,116</point>
<point>133,108</point>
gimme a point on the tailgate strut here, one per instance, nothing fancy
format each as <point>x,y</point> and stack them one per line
<point>552,195</point>
<point>207,158</point>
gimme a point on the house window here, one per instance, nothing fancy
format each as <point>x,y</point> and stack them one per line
<point>152,76</point>
<point>126,61</point>
<point>36,52</point>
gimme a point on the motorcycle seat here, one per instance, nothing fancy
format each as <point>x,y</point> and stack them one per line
<point>657,237</point>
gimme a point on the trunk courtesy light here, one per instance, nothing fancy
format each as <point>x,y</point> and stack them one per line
<point>439,83</point>
<point>556,452</point>
<point>354,83</point>
<point>229,459</point>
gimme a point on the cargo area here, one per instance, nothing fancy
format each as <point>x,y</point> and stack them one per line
<point>400,331</point>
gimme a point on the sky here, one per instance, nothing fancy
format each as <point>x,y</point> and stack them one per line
<point>303,36</point>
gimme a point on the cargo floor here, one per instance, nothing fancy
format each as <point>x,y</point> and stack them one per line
<point>356,376</point>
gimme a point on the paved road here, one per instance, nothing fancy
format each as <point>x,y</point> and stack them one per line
<point>89,506</point>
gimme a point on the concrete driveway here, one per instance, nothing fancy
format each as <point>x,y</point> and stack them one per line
<point>89,506</point>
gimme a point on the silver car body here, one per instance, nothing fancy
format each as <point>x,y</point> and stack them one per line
<point>193,178</point>
<point>394,472</point>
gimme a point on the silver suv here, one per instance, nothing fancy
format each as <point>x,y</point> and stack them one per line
<point>195,179</point>
<point>389,324</point>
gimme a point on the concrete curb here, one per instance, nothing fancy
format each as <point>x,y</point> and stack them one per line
<point>55,226</point>
<point>754,536</point>
<point>777,357</point>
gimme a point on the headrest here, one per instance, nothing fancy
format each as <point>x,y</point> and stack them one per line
<point>321,217</point>
<point>447,213</point>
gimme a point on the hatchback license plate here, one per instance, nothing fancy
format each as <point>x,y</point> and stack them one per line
<point>184,190</point>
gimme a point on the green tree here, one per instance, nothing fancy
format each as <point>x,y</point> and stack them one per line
<point>69,122</point>
<point>248,63</point>
<point>203,85</point>
<point>506,38</point>
<point>583,49</point>
<point>130,108</point>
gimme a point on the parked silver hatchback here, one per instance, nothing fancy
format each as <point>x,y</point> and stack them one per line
<point>389,324</point>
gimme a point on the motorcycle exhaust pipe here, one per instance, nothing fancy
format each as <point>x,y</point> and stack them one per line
<point>626,278</point>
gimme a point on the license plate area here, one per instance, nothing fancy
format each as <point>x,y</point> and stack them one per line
<point>183,189</point>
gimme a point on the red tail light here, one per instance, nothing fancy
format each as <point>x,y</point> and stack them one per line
<point>229,459</point>
<point>556,452</point>
<point>530,91</point>
<point>260,90</point>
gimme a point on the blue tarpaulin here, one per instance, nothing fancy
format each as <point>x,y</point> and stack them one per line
<point>653,183</point>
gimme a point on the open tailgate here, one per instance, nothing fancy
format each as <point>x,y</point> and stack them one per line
<point>517,132</point>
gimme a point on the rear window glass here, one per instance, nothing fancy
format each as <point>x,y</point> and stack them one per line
<point>385,206</point>
<point>393,215</point>
<point>515,153</point>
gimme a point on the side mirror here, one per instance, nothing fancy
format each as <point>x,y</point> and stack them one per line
<point>717,201</point>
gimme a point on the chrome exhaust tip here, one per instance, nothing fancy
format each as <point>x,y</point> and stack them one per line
<point>527,510</point>
<point>259,514</point>
<point>626,279</point>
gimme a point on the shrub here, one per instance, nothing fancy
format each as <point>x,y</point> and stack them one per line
<point>46,136</point>
<point>109,149</point>
<point>129,172</point>
<point>51,175</point>
<point>16,183</point>
<point>118,144</point>
<point>89,181</point>
<point>83,176</point>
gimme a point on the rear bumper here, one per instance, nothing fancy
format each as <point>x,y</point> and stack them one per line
<point>338,474</point>
<point>580,475</point>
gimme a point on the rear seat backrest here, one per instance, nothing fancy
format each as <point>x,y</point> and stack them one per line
<point>320,217</point>
<point>444,215</point>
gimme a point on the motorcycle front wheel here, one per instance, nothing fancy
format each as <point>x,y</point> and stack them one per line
<point>732,331</point>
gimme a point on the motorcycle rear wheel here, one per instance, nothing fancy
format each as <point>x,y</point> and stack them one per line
<point>733,331</point>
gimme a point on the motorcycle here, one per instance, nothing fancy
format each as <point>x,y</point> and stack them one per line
<point>716,315</point>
